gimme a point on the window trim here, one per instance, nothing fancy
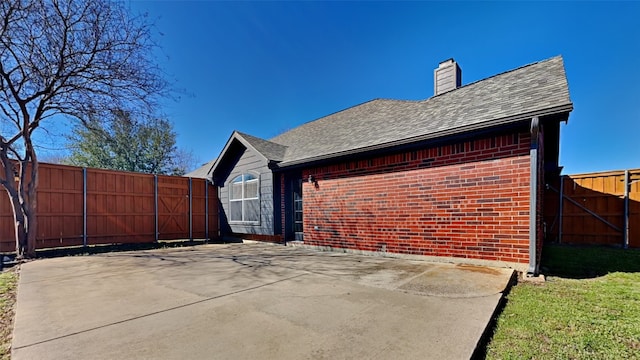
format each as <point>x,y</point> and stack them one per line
<point>243,200</point>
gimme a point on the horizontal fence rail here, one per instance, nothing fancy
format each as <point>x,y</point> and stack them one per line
<point>598,208</point>
<point>85,206</point>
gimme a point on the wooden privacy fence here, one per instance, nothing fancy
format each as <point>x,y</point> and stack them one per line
<point>598,208</point>
<point>83,206</point>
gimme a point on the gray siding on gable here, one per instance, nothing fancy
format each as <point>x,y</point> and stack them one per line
<point>253,163</point>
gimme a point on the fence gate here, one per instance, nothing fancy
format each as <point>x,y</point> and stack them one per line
<point>173,208</point>
<point>598,208</point>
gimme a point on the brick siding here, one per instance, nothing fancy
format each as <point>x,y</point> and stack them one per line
<point>258,237</point>
<point>465,200</point>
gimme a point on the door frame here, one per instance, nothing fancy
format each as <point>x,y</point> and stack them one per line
<point>290,180</point>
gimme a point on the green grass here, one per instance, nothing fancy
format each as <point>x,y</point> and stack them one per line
<point>8,283</point>
<point>578,313</point>
<point>588,261</point>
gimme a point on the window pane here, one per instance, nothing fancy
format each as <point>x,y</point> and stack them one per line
<point>235,192</point>
<point>235,210</point>
<point>244,204</point>
<point>252,210</point>
<point>251,189</point>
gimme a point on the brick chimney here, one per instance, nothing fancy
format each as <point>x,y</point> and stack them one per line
<point>446,77</point>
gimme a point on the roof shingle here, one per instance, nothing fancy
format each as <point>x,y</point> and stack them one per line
<point>532,90</point>
<point>268,149</point>
<point>202,172</point>
<point>536,89</point>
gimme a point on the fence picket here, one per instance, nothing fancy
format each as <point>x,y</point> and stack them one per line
<point>87,206</point>
<point>600,208</point>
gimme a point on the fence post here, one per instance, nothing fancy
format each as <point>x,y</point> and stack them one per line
<point>206,210</point>
<point>155,195</point>
<point>627,186</point>
<point>84,207</point>
<point>190,211</point>
<point>561,208</point>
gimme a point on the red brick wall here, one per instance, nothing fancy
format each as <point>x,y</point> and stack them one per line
<point>258,237</point>
<point>467,200</point>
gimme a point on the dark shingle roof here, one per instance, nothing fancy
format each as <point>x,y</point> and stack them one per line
<point>202,171</point>
<point>268,149</point>
<point>536,89</point>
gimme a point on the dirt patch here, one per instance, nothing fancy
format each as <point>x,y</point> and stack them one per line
<point>458,281</point>
<point>479,269</point>
<point>386,274</point>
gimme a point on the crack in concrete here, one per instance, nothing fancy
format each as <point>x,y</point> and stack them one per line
<point>157,312</point>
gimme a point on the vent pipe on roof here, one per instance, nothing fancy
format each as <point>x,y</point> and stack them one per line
<point>446,77</point>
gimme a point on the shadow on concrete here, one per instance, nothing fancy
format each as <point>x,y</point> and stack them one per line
<point>108,248</point>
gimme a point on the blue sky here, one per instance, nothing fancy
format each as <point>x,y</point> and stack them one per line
<point>266,67</point>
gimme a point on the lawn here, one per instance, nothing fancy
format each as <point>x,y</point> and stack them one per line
<point>8,283</point>
<point>588,309</point>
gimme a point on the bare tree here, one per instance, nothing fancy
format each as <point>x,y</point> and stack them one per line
<point>55,159</point>
<point>62,60</point>
<point>184,161</point>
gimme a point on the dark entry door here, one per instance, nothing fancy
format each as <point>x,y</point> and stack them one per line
<point>297,209</point>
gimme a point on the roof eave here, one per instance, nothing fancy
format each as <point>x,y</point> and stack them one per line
<point>565,108</point>
<point>234,136</point>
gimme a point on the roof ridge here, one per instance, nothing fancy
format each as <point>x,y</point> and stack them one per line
<point>496,75</point>
<point>243,134</point>
<point>271,150</point>
<point>249,135</point>
<point>399,100</point>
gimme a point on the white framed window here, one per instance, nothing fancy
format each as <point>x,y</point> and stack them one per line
<point>244,199</point>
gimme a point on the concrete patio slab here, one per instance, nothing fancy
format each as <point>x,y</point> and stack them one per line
<point>251,301</point>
